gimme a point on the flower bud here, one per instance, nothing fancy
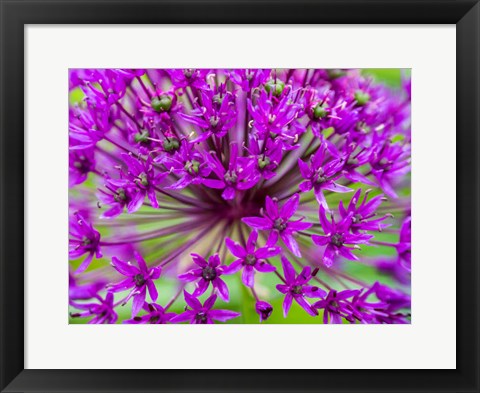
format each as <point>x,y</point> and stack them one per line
<point>263,309</point>
<point>276,87</point>
<point>162,104</point>
<point>361,97</point>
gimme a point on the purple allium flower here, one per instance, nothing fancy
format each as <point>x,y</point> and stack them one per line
<point>362,214</point>
<point>120,194</point>
<point>249,79</point>
<point>83,239</point>
<point>139,279</point>
<point>85,291</point>
<point>189,77</point>
<point>297,288</point>
<point>216,115</point>
<point>321,173</point>
<point>203,314</point>
<point>385,309</point>
<point>155,315</point>
<point>142,175</point>
<point>191,168</point>
<point>81,163</point>
<point>277,221</point>
<point>263,309</point>
<point>390,162</point>
<point>102,312</point>
<point>336,305</point>
<point>336,236</point>
<point>250,259</point>
<point>240,175</point>
<point>267,159</point>
<point>272,118</point>
<point>208,272</point>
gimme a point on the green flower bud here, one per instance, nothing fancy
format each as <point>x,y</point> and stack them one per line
<point>275,88</point>
<point>335,73</point>
<point>162,104</point>
<point>263,162</point>
<point>192,167</point>
<point>142,137</point>
<point>143,179</point>
<point>171,144</point>
<point>361,97</point>
<point>319,112</point>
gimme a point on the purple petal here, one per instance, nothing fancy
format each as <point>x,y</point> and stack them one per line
<point>136,202</point>
<point>257,222</point>
<point>192,301</point>
<point>288,270</point>
<point>265,267</point>
<point>248,276</point>
<point>138,301</point>
<point>290,207</point>
<point>210,302</point>
<point>291,243</point>
<point>223,315</point>
<point>124,268</point>
<point>306,306</point>
<point>287,303</point>
<point>84,264</point>
<point>235,248</point>
<point>213,183</point>
<point>320,240</point>
<point>252,241</point>
<point>141,262</point>
<point>222,289</point>
<point>183,317</point>
<point>271,208</point>
<point>234,267</point>
<point>267,252</point>
<point>228,194</point>
<point>152,290</point>
<point>198,260</point>
<point>201,287</point>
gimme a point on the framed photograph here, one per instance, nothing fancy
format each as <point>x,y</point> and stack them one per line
<point>298,178</point>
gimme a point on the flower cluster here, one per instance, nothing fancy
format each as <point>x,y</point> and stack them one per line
<point>212,195</point>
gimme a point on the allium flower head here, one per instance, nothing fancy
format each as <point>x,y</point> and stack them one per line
<point>245,190</point>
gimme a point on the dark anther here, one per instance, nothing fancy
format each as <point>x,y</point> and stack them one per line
<point>337,240</point>
<point>279,225</point>
<point>231,177</point>
<point>250,260</point>
<point>214,121</point>
<point>297,289</point>
<point>153,320</point>
<point>139,280</point>
<point>357,218</point>
<point>209,273</point>
<point>201,317</point>
<point>188,72</point>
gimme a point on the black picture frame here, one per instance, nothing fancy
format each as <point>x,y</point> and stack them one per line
<point>15,14</point>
